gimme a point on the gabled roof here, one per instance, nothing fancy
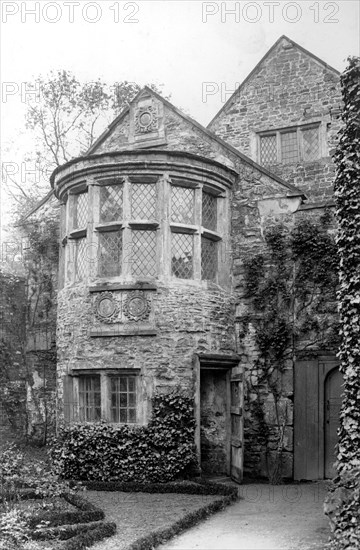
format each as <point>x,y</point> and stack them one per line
<point>293,191</point>
<point>35,208</point>
<point>257,67</point>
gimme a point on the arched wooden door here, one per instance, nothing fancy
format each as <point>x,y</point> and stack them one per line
<point>317,402</point>
<point>332,393</point>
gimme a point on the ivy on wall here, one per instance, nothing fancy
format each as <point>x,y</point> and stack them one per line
<point>291,293</point>
<point>343,503</point>
<point>161,451</point>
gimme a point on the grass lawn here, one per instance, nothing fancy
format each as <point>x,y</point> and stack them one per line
<point>138,514</point>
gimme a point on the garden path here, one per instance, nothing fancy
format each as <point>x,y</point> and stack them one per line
<point>268,517</point>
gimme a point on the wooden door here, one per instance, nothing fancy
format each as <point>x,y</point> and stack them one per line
<point>317,401</point>
<point>333,391</point>
<point>236,435</point>
<point>306,421</point>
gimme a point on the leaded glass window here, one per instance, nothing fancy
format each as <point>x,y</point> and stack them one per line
<point>311,146</point>
<point>111,203</point>
<point>182,204</point>
<point>209,211</point>
<point>208,259</point>
<point>182,255</point>
<point>110,250</point>
<point>81,210</point>
<point>143,253</point>
<point>123,399</point>
<point>268,150</point>
<point>143,201</point>
<point>80,259</point>
<point>89,398</point>
<point>289,147</point>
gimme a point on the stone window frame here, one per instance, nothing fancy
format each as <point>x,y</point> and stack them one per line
<point>161,225</point>
<point>196,229</point>
<point>73,234</point>
<point>105,376</point>
<point>298,130</point>
<point>126,225</point>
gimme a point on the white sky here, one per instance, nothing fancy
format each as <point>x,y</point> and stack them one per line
<point>182,44</point>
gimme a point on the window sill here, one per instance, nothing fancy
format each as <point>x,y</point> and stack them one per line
<point>212,235</point>
<point>106,332</point>
<point>122,286</point>
<point>111,226</point>
<point>78,233</point>
<point>183,228</point>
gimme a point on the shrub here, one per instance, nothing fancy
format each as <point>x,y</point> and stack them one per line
<point>159,452</point>
<point>343,508</point>
<point>18,472</point>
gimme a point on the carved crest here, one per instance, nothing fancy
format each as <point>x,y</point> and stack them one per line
<point>146,119</point>
<point>106,308</point>
<point>137,306</point>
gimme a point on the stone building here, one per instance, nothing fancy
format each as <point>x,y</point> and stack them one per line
<point>156,222</point>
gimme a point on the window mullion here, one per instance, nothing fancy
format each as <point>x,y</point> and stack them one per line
<point>105,397</point>
<point>300,144</point>
<point>278,147</point>
<point>126,233</point>
<point>197,236</point>
<point>164,237</point>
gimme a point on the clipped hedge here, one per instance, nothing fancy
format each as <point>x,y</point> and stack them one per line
<point>189,488</point>
<point>159,452</point>
<point>84,540</point>
<point>87,513</point>
<point>149,542</point>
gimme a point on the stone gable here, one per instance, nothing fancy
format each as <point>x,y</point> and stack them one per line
<point>289,89</point>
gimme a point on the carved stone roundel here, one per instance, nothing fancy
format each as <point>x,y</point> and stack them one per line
<point>106,307</point>
<point>137,306</point>
<point>146,119</point>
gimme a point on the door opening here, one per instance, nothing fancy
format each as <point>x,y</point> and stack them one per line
<point>214,422</point>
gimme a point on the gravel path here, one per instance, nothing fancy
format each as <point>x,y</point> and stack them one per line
<point>283,517</point>
<point>137,514</point>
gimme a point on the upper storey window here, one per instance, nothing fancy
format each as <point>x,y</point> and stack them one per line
<point>81,210</point>
<point>289,146</point>
<point>182,204</point>
<point>142,229</point>
<point>143,201</point>
<point>209,211</point>
<point>111,203</point>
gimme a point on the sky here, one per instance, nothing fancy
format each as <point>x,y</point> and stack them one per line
<point>200,51</point>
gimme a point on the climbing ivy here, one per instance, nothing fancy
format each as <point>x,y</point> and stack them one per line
<point>290,290</point>
<point>161,451</point>
<point>346,493</point>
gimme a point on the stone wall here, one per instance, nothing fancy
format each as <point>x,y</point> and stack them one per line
<point>13,418</point>
<point>290,87</point>
<point>187,319</point>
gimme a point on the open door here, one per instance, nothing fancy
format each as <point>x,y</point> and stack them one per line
<point>219,406</point>
<point>236,438</point>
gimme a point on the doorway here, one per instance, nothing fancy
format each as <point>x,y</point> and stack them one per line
<point>317,402</point>
<point>219,415</point>
<point>214,422</point>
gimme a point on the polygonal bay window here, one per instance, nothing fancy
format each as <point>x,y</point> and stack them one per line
<point>194,249</point>
<point>127,238</point>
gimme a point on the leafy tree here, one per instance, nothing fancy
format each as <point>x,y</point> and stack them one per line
<point>64,116</point>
